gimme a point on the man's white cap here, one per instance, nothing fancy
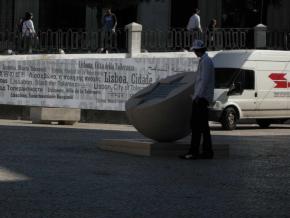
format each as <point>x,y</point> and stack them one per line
<point>197,44</point>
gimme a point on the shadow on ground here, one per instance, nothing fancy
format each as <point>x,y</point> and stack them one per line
<point>59,172</point>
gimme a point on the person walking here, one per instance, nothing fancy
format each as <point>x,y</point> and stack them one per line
<point>109,22</point>
<point>201,99</point>
<point>194,22</point>
<point>28,32</point>
<point>211,34</point>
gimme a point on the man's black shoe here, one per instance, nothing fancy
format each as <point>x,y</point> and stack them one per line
<point>189,156</point>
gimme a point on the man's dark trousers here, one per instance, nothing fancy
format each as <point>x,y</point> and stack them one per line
<point>200,127</point>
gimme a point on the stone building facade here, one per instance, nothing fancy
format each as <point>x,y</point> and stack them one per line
<point>6,14</point>
<point>152,14</point>
<point>248,13</point>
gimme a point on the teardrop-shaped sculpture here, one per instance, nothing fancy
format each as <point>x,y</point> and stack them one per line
<point>162,110</point>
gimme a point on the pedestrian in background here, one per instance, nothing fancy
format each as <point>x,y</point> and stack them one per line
<point>211,33</point>
<point>28,32</point>
<point>212,25</point>
<point>19,38</point>
<point>109,22</point>
<point>194,22</point>
<point>201,99</point>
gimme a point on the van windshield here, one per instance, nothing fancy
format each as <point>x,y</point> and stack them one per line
<point>224,77</point>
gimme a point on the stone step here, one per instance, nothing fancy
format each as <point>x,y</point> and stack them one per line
<point>45,115</point>
<point>149,148</point>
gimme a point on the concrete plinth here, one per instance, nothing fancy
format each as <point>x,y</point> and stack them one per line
<point>66,116</point>
<point>151,148</point>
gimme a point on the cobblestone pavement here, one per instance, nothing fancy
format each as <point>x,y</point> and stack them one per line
<point>57,171</point>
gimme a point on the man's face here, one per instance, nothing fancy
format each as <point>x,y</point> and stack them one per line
<point>109,11</point>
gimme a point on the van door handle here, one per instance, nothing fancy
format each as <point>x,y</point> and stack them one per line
<point>256,94</point>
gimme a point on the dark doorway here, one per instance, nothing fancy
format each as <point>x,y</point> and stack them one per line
<point>241,14</point>
<point>126,16</point>
<point>181,10</point>
<point>62,14</point>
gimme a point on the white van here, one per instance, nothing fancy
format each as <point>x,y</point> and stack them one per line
<point>251,84</point>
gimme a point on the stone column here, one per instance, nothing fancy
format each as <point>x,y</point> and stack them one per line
<point>134,38</point>
<point>260,36</point>
<point>92,27</point>
<point>154,14</point>
<point>6,16</point>
<point>91,18</point>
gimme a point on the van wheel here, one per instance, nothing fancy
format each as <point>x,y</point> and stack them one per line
<point>263,123</point>
<point>229,119</point>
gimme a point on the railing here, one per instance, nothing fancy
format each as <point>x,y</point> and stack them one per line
<point>71,41</point>
<point>278,40</point>
<point>78,41</point>
<point>180,39</point>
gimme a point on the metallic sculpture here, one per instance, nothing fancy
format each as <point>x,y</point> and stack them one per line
<point>162,110</point>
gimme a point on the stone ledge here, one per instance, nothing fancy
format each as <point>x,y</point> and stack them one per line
<point>150,148</point>
<point>45,115</point>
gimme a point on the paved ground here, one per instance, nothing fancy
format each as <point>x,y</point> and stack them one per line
<point>57,171</point>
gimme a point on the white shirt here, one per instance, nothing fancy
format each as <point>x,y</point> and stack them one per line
<point>27,28</point>
<point>194,23</point>
<point>205,79</point>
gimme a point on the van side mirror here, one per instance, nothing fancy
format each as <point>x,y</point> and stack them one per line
<point>235,89</point>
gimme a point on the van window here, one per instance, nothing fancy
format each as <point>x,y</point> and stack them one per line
<point>224,77</point>
<point>249,79</point>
